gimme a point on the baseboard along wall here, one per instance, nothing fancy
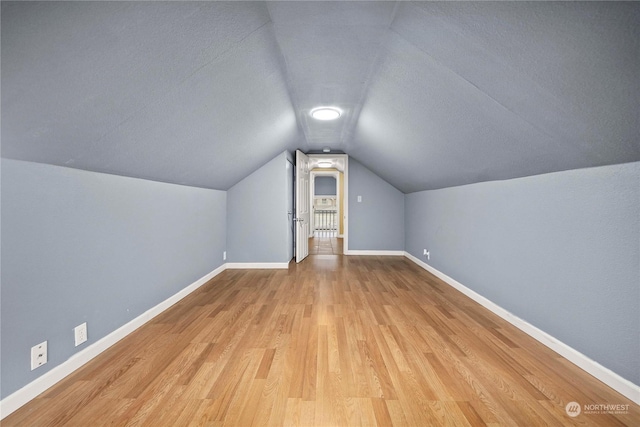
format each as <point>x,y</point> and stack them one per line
<point>21,397</point>
<point>607,376</point>
<point>14,401</point>
<point>358,252</point>
<point>256,265</point>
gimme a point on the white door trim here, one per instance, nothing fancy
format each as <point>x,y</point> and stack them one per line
<point>345,172</point>
<point>314,174</point>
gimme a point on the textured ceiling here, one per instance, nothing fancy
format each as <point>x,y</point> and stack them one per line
<point>434,94</point>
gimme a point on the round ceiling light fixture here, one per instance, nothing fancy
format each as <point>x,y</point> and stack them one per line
<point>326,113</point>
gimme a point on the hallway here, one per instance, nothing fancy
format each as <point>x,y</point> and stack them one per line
<point>325,243</point>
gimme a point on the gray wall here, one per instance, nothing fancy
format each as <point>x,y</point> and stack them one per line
<point>560,251</point>
<point>325,186</point>
<point>376,223</point>
<point>81,246</point>
<point>257,215</point>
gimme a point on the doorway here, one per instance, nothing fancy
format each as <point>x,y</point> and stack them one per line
<point>328,204</point>
<point>326,197</point>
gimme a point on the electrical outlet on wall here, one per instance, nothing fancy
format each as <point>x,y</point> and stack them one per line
<point>427,254</point>
<point>38,355</point>
<point>80,333</point>
<point>224,255</point>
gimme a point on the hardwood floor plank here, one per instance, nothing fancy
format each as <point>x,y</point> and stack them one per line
<point>445,382</point>
<point>470,414</point>
<point>241,409</point>
<point>334,340</point>
<point>396,414</point>
<point>279,375</point>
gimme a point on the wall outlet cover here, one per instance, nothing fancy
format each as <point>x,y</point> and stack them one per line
<point>38,355</point>
<point>80,333</point>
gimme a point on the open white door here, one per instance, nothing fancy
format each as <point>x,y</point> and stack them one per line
<point>303,216</point>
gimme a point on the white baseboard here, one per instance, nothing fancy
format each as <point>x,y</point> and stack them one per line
<point>607,376</point>
<point>374,252</point>
<point>256,265</point>
<point>20,397</point>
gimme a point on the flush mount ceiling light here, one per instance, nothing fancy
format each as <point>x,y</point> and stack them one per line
<point>325,113</point>
<point>325,164</point>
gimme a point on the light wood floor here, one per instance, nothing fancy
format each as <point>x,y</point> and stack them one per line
<point>333,341</point>
<point>321,245</point>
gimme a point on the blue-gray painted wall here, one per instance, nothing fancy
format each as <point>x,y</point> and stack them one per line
<point>257,218</point>
<point>376,223</point>
<point>559,250</point>
<point>325,186</point>
<point>81,246</point>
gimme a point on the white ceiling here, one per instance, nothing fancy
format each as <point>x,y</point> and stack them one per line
<point>434,94</point>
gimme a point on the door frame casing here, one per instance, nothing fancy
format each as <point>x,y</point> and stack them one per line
<point>332,173</point>
<point>345,215</point>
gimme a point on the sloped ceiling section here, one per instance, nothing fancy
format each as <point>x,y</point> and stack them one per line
<point>186,92</point>
<point>475,91</point>
<point>433,94</point>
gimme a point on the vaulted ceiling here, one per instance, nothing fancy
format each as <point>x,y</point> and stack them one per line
<point>433,94</point>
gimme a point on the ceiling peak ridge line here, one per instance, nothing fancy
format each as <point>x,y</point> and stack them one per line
<point>394,13</point>
<point>478,88</point>
<point>547,94</point>
<point>374,71</point>
<point>293,97</point>
<point>505,108</point>
<point>346,135</point>
<point>164,94</point>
